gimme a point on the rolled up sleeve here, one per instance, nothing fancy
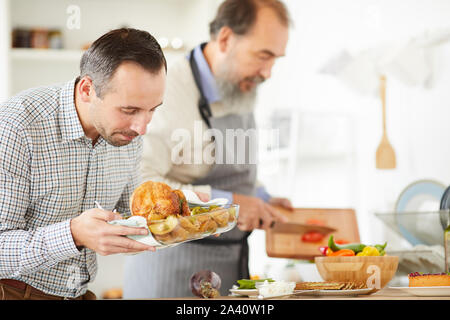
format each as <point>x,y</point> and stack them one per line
<point>262,193</point>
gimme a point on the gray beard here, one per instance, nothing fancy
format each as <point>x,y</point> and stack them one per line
<point>232,98</point>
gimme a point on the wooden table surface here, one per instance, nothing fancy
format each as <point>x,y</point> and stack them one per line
<point>384,294</point>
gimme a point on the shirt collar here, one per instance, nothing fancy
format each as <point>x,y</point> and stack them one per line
<point>69,122</point>
<point>207,80</point>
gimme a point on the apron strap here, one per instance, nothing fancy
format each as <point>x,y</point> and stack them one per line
<point>203,105</point>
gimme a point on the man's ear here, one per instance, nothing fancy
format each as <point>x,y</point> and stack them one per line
<point>86,89</point>
<point>224,37</point>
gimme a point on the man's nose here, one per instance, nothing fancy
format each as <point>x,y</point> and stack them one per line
<point>266,70</point>
<point>140,125</point>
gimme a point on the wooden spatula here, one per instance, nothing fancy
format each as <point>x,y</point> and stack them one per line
<point>385,157</point>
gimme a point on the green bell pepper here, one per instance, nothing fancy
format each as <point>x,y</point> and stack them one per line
<point>356,247</point>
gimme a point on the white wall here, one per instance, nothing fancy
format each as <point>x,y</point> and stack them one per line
<point>169,18</point>
<point>417,117</point>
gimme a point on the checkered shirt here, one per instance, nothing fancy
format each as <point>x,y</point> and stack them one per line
<point>49,174</point>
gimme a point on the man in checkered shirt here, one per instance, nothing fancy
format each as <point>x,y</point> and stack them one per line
<point>64,147</point>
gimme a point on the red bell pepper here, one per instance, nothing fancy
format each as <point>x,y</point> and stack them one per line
<point>323,250</point>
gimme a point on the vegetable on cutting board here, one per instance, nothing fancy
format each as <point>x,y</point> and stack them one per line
<point>341,241</point>
<point>312,236</point>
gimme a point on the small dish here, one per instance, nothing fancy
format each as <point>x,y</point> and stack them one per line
<point>274,289</point>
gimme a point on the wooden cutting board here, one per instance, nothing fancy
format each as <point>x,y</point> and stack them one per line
<point>288,245</point>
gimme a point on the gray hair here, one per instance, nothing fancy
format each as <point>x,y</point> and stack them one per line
<point>240,15</point>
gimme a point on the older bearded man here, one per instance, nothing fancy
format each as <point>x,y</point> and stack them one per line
<point>209,94</point>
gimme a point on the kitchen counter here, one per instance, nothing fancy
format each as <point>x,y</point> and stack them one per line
<point>384,294</point>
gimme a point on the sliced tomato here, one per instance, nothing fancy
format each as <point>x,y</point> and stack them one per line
<point>316,222</point>
<point>312,236</point>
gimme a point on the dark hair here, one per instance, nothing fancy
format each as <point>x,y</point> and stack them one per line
<point>240,15</point>
<point>105,55</point>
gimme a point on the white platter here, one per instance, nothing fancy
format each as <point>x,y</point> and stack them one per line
<point>353,292</point>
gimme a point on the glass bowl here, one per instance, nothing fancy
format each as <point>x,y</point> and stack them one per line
<point>177,229</point>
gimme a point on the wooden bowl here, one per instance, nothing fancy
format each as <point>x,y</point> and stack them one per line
<point>376,272</point>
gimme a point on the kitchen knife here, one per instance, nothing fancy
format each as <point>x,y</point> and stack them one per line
<point>300,228</point>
